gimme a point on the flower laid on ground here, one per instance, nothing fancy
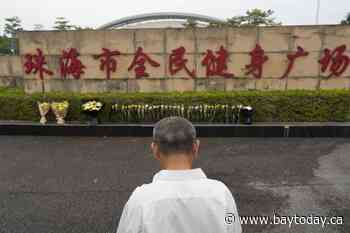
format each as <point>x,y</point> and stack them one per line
<point>60,110</point>
<point>91,106</point>
<point>209,113</point>
<point>44,108</point>
<point>225,113</point>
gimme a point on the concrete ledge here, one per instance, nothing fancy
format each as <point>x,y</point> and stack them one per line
<point>204,130</point>
<point>320,131</point>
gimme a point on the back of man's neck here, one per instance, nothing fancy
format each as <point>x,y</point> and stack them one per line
<point>177,162</point>
<point>177,168</point>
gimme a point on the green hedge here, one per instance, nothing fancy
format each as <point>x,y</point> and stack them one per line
<point>271,106</point>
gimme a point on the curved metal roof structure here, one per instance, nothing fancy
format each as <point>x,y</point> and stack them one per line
<point>159,16</point>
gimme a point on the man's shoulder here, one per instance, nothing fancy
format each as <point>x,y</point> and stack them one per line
<point>142,194</point>
<point>149,187</point>
<point>219,185</point>
<point>215,182</point>
<point>145,190</point>
<point>149,191</point>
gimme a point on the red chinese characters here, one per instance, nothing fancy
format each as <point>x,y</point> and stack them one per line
<point>292,57</point>
<point>335,60</point>
<point>258,58</point>
<point>177,62</point>
<point>70,64</point>
<point>108,62</point>
<point>138,63</point>
<point>35,63</point>
<point>217,64</point>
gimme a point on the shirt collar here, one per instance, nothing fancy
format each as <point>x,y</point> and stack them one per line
<point>179,175</point>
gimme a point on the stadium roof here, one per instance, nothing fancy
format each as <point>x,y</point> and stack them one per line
<point>141,18</point>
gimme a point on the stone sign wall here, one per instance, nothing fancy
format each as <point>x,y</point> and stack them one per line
<point>321,63</point>
<point>11,72</point>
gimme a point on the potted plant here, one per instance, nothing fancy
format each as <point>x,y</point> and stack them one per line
<point>246,115</point>
<point>60,110</point>
<point>44,108</point>
<point>91,109</point>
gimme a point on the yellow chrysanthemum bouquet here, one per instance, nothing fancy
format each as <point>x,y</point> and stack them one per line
<point>44,108</point>
<point>60,110</point>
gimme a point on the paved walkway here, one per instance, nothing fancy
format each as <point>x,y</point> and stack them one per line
<point>76,185</point>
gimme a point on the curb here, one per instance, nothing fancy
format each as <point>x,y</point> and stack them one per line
<point>203,130</point>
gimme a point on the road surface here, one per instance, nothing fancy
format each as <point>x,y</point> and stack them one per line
<point>80,184</point>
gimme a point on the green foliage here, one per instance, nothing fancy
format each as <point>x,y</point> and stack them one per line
<point>79,28</point>
<point>271,106</point>
<point>38,27</point>
<point>12,25</point>
<point>5,45</point>
<point>190,23</point>
<point>8,41</point>
<point>217,25</point>
<point>254,17</point>
<point>346,20</point>
<point>62,24</point>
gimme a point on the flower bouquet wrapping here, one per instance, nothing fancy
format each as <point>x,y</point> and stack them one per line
<point>91,109</point>
<point>60,110</point>
<point>246,115</point>
<point>44,108</point>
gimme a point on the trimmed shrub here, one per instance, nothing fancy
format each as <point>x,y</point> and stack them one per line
<point>270,106</point>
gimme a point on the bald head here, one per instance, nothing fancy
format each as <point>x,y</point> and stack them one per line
<point>174,135</point>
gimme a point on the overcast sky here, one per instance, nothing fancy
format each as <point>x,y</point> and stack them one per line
<point>98,12</point>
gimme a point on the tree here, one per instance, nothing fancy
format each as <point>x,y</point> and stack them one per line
<point>346,20</point>
<point>12,25</point>
<point>254,17</point>
<point>38,27</point>
<point>75,27</point>
<point>8,41</point>
<point>217,24</point>
<point>5,45</point>
<point>190,23</point>
<point>62,24</point>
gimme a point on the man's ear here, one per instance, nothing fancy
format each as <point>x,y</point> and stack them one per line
<point>196,148</point>
<point>155,151</point>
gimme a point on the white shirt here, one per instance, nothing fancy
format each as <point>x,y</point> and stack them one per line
<point>180,201</point>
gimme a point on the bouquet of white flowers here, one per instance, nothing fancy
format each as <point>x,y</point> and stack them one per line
<point>92,106</point>
<point>91,109</point>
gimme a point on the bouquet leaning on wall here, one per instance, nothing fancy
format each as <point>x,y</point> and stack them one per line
<point>91,109</point>
<point>246,114</point>
<point>60,110</point>
<point>44,108</point>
